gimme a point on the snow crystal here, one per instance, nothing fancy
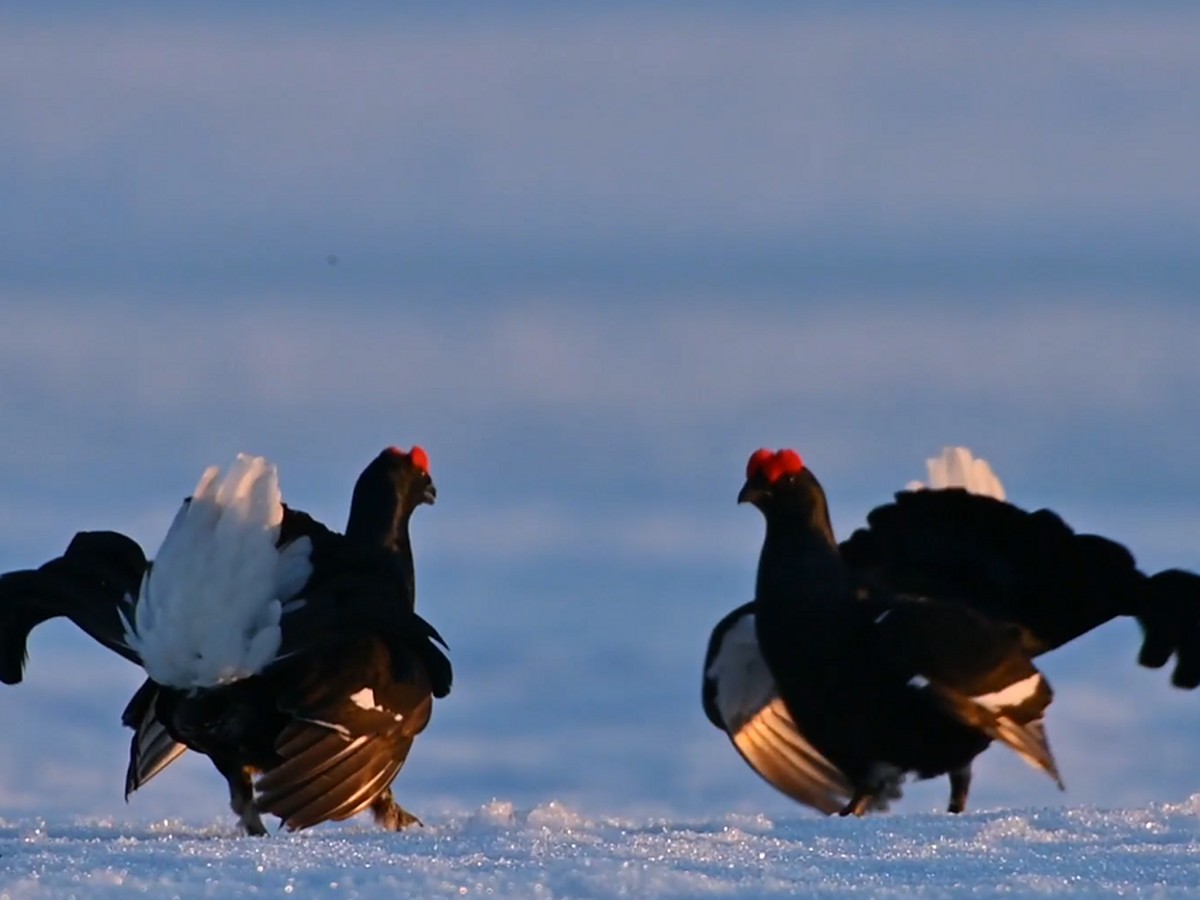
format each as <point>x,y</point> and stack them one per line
<point>556,851</point>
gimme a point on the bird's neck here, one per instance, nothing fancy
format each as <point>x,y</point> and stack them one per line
<point>800,562</point>
<point>399,545</point>
<point>387,529</point>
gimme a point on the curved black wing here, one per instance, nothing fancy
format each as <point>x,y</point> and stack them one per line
<point>88,584</point>
<point>741,698</point>
<point>152,747</point>
<point>1170,620</point>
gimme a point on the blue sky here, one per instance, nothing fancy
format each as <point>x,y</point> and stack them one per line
<point>591,258</point>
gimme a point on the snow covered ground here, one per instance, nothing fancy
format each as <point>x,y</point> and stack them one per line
<point>590,260</point>
<point>555,851</point>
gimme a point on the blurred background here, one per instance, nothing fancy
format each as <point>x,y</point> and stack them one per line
<point>590,256</point>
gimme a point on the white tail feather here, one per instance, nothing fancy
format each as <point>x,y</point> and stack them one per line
<point>957,468</point>
<point>209,607</point>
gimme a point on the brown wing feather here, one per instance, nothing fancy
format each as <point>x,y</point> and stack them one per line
<point>775,749</point>
<point>351,731</point>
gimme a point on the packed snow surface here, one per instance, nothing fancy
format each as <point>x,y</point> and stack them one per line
<point>555,851</point>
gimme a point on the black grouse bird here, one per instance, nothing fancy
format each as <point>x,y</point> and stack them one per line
<point>998,585</point>
<point>273,644</point>
<point>374,527</point>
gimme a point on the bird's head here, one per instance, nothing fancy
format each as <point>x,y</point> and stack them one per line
<point>392,485</point>
<point>777,481</point>
<point>408,472</point>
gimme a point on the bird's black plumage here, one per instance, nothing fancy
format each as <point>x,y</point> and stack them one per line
<point>330,722</point>
<point>87,584</point>
<point>882,684</point>
<point>998,585</point>
<point>1029,568</point>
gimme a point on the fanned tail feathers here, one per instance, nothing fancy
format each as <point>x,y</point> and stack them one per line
<point>1169,607</point>
<point>1029,568</point>
<point>209,609</point>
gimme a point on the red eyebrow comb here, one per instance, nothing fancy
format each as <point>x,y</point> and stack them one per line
<point>420,459</point>
<point>773,465</point>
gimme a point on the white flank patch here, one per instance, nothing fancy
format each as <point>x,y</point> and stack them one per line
<point>209,608</point>
<point>957,468</point>
<point>744,684</point>
<point>341,730</point>
<point>918,681</point>
<point>1013,695</point>
<point>883,615</point>
<point>364,699</point>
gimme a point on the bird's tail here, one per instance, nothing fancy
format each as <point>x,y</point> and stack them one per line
<point>1103,575</point>
<point>957,468</point>
<point>88,584</point>
<point>1170,620</point>
<point>208,611</point>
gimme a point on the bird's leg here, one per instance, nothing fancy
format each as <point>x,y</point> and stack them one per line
<point>390,815</point>
<point>960,786</point>
<point>859,803</point>
<point>241,797</point>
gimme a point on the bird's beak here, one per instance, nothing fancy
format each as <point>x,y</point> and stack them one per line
<point>430,495</point>
<point>751,493</point>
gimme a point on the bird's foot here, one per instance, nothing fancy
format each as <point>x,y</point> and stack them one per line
<point>391,815</point>
<point>858,805</point>
<point>251,821</point>
<point>960,786</point>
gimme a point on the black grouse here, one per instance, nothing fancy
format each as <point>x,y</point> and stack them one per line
<point>826,682</point>
<point>371,525</point>
<point>275,646</point>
